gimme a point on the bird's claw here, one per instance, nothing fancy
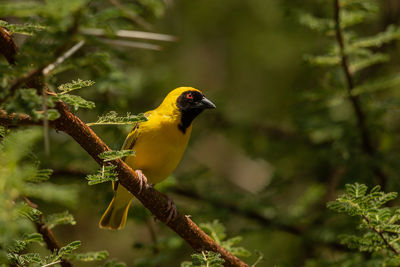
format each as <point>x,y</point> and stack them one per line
<point>142,179</point>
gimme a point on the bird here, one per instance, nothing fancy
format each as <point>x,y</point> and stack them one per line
<point>159,144</point>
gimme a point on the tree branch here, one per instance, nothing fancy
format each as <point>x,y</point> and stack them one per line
<point>152,199</point>
<point>7,46</point>
<point>365,134</point>
<point>380,233</point>
<point>48,235</point>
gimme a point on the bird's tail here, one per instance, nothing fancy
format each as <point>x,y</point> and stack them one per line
<point>115,216</point>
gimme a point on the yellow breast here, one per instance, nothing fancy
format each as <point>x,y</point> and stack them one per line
<point>159,147</point>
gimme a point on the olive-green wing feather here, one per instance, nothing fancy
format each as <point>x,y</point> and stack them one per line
<point>130,142</point>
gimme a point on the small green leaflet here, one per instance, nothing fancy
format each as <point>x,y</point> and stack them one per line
<point>74,85</point>
<point>76,101</point>
<point>89,256</point>
<point>60,218</point>
<point>111,118</point>
<point>217,232</point>
<point>114,263</point>
<point>105,174</point>
<point>27,211</point>
<point>40,175</point>
<point>205,259</point>
<point>20,245</point>
<point>28,29</point>
<point>2,131</point>
<point>52,114</point>
<point>68,249</point>
<point>116,154</point>
<point>24,259</point>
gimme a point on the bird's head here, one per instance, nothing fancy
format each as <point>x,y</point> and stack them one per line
<point>188,102</point>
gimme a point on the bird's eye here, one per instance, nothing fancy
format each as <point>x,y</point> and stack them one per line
<point>189,96</point>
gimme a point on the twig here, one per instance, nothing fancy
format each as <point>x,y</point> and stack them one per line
<point>132,44</point>
<point>390,246</point>
<point>51,264</point>
<point>47,234</point>
<point>131,34</point>
<point>367,146</point>
<point>60,59</point>
<point>32,77</point>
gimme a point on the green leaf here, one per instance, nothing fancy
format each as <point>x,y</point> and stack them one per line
<point>25,259</point>
<point>40,175</point>
<point>315,23</point>
<point>111,118</point>
<point>114,263</point>
<point>28,29</point>
<point>215,229</point>
<point>390,34</point>
<point>377,85</point>
<point>116,154</point>
<point>52,114</point>
<point>237,251</point>
<point>205,259</point>
<point>105,174</point>
<point>68,249</point>
<point>59,218</point>
<point>323,60</point>
<point>379,224</point>
<point>20,245</point>
<point>74,85</point>
<point>76,101</point>
<point>27,211</point>
<point>90,256</point>
<point>62,194</point>
<point>2,131</point>
<point>357,65</point>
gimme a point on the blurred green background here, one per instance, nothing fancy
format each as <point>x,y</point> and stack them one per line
<point>282,142</point>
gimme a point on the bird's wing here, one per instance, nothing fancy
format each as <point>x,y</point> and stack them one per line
<point>130,143</point>
<point>131,138</point>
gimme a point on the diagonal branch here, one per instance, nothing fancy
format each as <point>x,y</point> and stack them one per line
<point>152,199</point>
<point>365,134</point>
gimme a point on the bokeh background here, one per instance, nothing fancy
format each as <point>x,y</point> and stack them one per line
<point>282,142</point>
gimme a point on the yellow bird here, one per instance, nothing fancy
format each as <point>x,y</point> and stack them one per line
<point>159,144</point>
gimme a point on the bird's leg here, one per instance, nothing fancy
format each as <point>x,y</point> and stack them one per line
<point>171,209</point>
<point>142,179</point>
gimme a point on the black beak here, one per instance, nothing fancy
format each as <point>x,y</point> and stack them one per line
<point>205,103</point>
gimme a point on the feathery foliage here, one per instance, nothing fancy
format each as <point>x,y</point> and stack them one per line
<point>379,226</point>
<point>111,118</point>
<point>105,174</point>
<point>113,155</point>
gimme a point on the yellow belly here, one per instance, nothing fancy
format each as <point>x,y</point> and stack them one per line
<point>159,149</point>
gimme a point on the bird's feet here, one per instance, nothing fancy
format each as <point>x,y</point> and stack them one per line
<point>171,210</point>
<point>142,179</point>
